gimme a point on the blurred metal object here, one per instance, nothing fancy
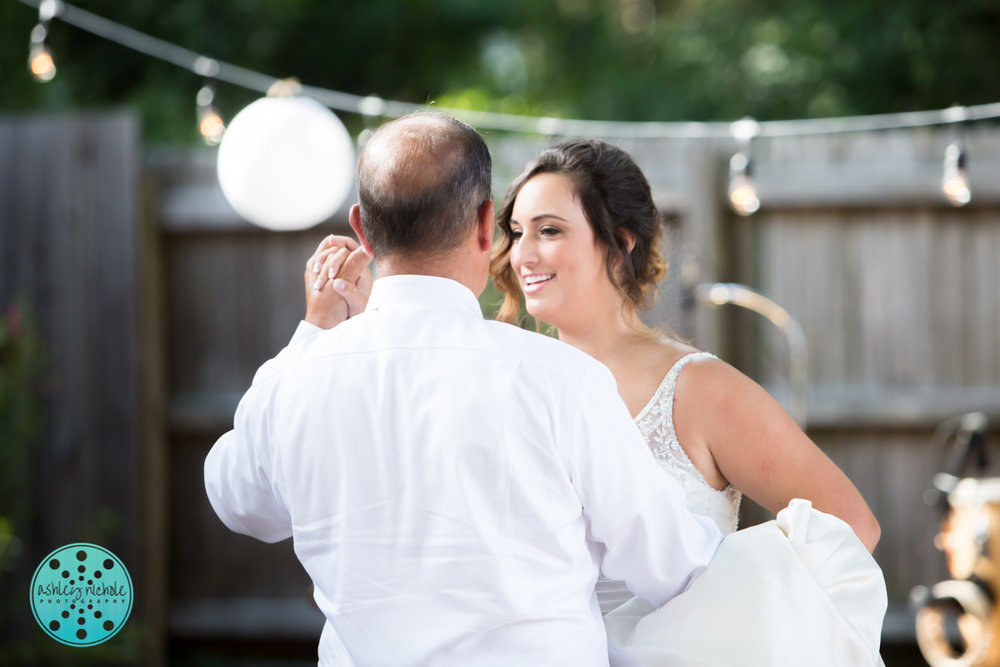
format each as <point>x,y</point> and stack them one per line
<point>965,435</point>
<point>720,294</point>
<point>956,620</point>
<point>954,625</point>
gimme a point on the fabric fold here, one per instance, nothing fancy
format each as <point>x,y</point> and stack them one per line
<point>798,590</point>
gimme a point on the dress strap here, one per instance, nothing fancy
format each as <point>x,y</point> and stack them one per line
<point>664,394</point>
<point>671,380</point>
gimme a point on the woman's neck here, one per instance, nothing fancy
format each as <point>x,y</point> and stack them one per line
<point>605,337</point>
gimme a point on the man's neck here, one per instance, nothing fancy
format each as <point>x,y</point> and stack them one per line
<point>450,265</point>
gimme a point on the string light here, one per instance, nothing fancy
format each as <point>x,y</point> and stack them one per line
<point>210,123</point>
<point>341,101</point>
<point>372,108</point>
<point>953,182</point>
<point>742,191</point>
<point>40,61</point>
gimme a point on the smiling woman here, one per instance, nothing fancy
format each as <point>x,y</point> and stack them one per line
<point>594,197</point>
<point>580,245</point>
<point>554,253</point>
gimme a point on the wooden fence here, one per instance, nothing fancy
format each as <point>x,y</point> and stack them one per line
<point>73,246</point>
<point>895,291</point>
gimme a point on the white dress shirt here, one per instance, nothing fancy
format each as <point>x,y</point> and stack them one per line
<point>453,485</point>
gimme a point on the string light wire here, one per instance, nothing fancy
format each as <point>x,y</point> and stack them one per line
<point>372,106</point>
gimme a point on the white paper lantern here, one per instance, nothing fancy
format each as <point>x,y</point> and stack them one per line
<point>286,163</point>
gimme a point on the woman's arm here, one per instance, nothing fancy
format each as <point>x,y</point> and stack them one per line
<point>760,449</point>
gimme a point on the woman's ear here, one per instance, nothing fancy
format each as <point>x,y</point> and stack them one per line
<point>628,237</point>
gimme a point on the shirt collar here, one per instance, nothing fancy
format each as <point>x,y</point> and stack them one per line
<point>422,292</point>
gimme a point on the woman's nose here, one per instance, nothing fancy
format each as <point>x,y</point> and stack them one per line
<point>525,251</point>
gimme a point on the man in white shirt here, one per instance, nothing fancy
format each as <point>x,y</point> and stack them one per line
<point>453,485</point>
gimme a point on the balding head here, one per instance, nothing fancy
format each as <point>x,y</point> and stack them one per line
<point>421,181</point>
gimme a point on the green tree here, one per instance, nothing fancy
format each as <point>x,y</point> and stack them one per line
<point>640,60</point>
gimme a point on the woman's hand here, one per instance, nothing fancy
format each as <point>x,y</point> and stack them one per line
<point>337,281</point>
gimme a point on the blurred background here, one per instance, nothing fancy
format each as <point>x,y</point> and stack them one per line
<point>136,304</point>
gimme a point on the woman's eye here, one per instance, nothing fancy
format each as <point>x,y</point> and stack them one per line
<point>515,234</point>
<point>549,231</point>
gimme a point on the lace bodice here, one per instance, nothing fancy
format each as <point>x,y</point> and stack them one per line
<point>656,422</point>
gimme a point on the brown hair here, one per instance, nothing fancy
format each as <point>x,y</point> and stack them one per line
<point>617,201</point>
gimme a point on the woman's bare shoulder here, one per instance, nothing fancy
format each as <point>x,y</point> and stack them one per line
<point>713,381</point>
<point>642,367</point>
<point>665,352</point>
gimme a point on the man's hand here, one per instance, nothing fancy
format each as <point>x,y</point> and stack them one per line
<point>337,281</point>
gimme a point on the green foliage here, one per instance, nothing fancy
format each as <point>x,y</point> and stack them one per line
<point>636,60</point>
<point>490,301</point>
<point>40,650</point>
<point>20,371</point>
<point>22,363</point>
<point>20,368</point>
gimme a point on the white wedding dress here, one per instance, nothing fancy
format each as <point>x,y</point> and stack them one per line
<point>798,590</point>
<point>656,423</point>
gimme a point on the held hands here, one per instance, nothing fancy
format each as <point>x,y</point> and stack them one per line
<point>337,281</point>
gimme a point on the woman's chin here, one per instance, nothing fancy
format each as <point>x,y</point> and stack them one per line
<point>540,312</point>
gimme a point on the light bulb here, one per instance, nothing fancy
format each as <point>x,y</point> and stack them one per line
<point>41,63</point>
<point>743,196</point>
<point>211,126</point>
<point>742,192</point>
<point>953,182</point>
<point>210,123</point>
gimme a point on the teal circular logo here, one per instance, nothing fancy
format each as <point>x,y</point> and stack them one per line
<point>81,594</point>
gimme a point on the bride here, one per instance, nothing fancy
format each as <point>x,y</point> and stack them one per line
<point>580,246</point>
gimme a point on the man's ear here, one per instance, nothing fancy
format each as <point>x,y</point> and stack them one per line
<point>354,218</point>
<point>484,226</point>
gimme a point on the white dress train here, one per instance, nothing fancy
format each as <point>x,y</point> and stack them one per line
<point>798,590</point>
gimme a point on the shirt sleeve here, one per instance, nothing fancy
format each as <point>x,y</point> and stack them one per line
<point>241,468</point>
<point>240,477</point>
<point>633,507</point>
<point>304,331</point>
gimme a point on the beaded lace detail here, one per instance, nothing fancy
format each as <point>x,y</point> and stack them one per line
<point>656,423</point>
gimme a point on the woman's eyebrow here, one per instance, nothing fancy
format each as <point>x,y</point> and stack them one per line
<point>544,216</point>
<point>540,216</point>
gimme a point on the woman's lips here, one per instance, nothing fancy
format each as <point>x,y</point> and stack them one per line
<point>535,282</point>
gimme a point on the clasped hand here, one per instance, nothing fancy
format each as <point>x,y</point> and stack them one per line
<point>337,281</point>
